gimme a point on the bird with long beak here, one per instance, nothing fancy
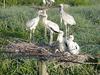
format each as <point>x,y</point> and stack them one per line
<point>53,27</point>
<point>66,18</point>
<point>32,24</point>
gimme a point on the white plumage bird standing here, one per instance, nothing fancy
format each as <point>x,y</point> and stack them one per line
<point>32,24</point>
<point>66,18</point>
<point>53,27</point>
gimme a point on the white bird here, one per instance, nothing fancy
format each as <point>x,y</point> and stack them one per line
<point>66,18</point>
<point>60,39</point>
<point>48,2</point>
<point>44,12</point>
<point>53,27</point>
<point>32,24</point>
<point>73,47</point>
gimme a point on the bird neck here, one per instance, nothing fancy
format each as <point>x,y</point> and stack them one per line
<point>38,16</point>
<point>61,9</point>
<point>45,19</point>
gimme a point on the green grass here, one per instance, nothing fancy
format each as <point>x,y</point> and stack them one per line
<point>86,32</point>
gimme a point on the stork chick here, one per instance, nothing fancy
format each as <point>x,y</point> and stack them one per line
<point>72,46</point>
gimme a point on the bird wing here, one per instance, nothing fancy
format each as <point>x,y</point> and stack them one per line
<point>68,18</point>
<point>53,26</point>
<point>32,22</point>
<point>77,46</point>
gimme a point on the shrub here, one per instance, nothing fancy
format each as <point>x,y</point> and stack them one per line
<point>79,2</point>
<point>39,2</point>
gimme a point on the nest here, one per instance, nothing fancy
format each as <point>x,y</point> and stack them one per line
<point>26,48</point>
<point>80,58</point>
<point>46,52</point>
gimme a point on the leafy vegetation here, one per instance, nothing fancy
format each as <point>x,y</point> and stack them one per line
<point>87,34</point>
<point>39,2</point>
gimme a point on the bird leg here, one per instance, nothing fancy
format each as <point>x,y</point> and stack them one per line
<point>33,34</point>
<point>45,33</point>
<point>51,38</point>
<point>30,36</point>
<point>61,20</point>
<point>67,30</point>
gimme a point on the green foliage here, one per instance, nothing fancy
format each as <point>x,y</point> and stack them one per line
<point>11,2</point>
<point>72,70</point>
<point>39,2</point>
<point>79,2</point>
<point>18,67</point>
<point>30,67</point>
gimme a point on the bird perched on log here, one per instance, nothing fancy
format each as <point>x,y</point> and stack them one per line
<point>53,27</point>
<point>48,2</point>
<point>73,47</point>
<point>66,18</point>
<point>32,24</point>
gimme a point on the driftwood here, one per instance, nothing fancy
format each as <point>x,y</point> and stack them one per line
<point>42,53</point>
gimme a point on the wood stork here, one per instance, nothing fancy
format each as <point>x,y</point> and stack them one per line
<point>73,47</point>
<point>60,39</point>
<point>48,2</point>
<point>44,12</point>
<point>32,24</point>
<point>53,27</point>
<point>66,18</point>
